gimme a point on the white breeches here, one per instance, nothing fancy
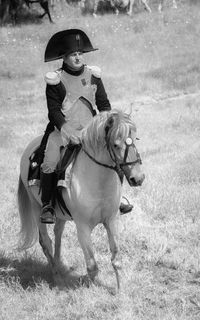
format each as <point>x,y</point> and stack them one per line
<point>52,152</point>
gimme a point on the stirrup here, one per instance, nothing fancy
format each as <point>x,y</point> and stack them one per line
<point>48,214</point>
<point>125,208</point>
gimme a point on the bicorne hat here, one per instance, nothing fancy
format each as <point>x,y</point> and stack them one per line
<point>65,42</point>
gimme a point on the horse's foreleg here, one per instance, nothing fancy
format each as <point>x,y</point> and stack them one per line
<point>146,5</point>
<point>84,237</point>
<point>113,243</point>
<point>58,231</point>
<point>130,10</point>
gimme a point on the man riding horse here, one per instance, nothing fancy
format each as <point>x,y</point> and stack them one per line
<point>73,87</point>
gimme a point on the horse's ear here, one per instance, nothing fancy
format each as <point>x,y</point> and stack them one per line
<point>109,124</point>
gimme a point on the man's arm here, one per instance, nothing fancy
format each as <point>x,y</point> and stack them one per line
<point>55,95</point>
<point>102,101</point>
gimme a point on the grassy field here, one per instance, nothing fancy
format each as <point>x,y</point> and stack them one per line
<point>149,63</point>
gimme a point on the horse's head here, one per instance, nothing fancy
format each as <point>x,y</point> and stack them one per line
<point>115,133</point>
<point>120,136</point>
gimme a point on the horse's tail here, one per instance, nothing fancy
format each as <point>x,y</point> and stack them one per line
<point>28,234</point>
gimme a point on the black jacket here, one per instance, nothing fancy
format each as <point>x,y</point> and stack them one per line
<point>55,95</point>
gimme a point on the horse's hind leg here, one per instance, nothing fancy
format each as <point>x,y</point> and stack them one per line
<point>45,6</point>
<point>58,231</point>
<point>112,238</point>
<point>84,237</point>
<point>45,242</point>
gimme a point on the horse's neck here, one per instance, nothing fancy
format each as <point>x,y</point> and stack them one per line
<point>94,177</point>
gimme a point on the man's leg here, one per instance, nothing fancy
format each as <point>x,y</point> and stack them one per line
<point>47,187</point>
<point>51,158</point>
<point>70,154</point>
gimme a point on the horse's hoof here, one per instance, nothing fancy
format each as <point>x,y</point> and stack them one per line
<point>58,281</point>
<point>85,281</point>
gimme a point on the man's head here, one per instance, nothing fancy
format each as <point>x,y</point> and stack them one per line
<point>74,60</point>
<point>66,43</point>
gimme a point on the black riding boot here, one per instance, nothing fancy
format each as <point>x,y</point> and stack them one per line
<point>125,208</point>
<point>65,162</point>
<point>47,186</point>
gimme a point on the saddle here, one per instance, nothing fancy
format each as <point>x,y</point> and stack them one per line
<point>37,157</point>
<point>67,156</point>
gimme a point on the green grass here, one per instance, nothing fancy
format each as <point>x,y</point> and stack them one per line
<point>149,63</point>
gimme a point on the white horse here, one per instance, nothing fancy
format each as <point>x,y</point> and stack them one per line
<point>108,152</point>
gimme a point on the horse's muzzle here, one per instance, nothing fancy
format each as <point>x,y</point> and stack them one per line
<point>136,182</point>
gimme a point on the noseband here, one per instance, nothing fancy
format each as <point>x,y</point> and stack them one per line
<point>118,168</point>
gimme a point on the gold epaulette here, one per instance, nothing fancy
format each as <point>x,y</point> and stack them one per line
<point>53,78</point>
<point>96,71</point>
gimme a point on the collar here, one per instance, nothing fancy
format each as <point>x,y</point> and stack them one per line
<point>73,73</point>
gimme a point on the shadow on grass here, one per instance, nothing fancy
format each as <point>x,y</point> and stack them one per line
<point>31,273</point>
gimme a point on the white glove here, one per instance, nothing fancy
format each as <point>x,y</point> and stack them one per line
<point>69,134</point>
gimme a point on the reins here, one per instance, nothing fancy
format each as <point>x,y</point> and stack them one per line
<point>118,166</point>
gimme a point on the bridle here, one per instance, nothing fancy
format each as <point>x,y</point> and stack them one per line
<point>118,167</point>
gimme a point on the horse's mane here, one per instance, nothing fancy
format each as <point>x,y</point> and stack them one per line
<point>116,122</point>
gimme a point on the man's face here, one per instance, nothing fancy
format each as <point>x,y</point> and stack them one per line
<point>74,60</point>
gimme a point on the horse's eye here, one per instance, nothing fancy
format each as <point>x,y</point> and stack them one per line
<point>117,144</point>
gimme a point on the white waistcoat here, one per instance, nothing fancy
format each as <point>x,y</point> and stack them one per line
<point>75,110</point>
